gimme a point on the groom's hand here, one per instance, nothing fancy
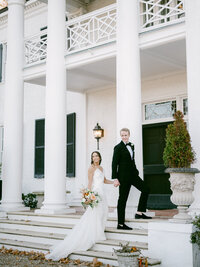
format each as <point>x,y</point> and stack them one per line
<point>116,183</point>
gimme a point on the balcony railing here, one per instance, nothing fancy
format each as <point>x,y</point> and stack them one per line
<point>159,13</point>
<point>99,27</point>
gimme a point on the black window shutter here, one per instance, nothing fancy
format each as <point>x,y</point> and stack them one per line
<point>39,148</point>
<point>1,61</point>
<point>71,144</point>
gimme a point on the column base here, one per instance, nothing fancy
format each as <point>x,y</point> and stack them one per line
<point>13,206</point>
<point>75,202</point>
<point>55,209</point>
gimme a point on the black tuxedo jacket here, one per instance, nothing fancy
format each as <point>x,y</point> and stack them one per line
<point>123,167</point>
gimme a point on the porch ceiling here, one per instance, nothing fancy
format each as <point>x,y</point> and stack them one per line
<point>155,61</point>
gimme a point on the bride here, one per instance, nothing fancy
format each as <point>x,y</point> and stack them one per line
<point>91,226</point>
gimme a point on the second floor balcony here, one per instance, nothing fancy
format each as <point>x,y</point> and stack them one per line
<point>99,27</point>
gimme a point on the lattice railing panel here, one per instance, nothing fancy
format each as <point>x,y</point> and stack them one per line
<point>35,48</point>
<point>157,13</point>
<point>89,31</point>
<point>99,27</point>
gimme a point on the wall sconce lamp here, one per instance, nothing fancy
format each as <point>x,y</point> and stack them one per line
<point>98,133</point>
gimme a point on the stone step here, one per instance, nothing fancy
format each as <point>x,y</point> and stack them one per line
<point>39,226</point>
<point>52,238</point>
<point>139,235</point>
<point>104,257</point>
<point>71,219</point>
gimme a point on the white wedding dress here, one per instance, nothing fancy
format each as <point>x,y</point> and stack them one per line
<point>89,229</point>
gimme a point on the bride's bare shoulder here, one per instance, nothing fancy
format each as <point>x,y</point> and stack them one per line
<point>91,169</point>
<point>101,168</point>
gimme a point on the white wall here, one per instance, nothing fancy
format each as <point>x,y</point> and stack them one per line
<point>34,108</point>
<point>99,4</point>
<point>101,106</point>
<point>35,20</point>
<point>170,242</point>
<point>162,88</point>
<point>1,102</point>
<point>3,34</point>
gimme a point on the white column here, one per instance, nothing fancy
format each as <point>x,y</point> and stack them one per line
<point>81,179</point>
<point>129,81</point>
<point>55,116</point>
<point>13,109</point>
<point>193,82</point>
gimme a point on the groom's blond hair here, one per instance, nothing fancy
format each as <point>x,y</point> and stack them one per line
<point>125,130</point>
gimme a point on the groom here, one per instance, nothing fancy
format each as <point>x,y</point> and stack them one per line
<point>125,173</point>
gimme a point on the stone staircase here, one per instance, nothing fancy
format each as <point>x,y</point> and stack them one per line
<point>35,232</point>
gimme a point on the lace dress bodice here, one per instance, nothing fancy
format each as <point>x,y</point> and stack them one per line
<point>98,182</point>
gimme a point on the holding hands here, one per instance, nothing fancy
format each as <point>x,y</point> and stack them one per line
<point>116,183</point>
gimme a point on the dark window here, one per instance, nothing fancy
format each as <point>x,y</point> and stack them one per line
<point>1,61</point>
<point>71,138</point>
<point>40,146</point>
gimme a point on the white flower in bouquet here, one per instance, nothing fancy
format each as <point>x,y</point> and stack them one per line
<point>89,198</point>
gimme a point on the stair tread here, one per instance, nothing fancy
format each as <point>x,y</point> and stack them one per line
<point>91,253</point>
<point>76,216</point>
<point>29,213</point>
<point>69,226</point>
<point>31,233</point>
<point>26,244</point>
<point>113,242</point>
<point>134,231</point>
<point>37,223</point>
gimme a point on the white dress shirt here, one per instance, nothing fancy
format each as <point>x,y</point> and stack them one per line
<point>130,150</point>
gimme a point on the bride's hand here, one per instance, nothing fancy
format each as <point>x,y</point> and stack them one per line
<point>116,183</point>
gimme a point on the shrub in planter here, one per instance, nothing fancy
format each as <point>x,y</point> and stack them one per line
<point>30,200</point>
<point>178,156</point>
<point>178,152</point>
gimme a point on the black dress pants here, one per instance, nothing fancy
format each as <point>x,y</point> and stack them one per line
<point>124,189</point>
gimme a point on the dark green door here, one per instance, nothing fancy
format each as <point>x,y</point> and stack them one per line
<point>154,175</point>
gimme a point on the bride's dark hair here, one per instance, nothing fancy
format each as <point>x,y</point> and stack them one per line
<point>97,152</point>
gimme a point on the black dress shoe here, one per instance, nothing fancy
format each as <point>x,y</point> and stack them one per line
<point>143,216</point>
<point>124,227</point>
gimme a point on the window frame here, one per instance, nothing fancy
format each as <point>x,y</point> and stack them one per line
<point>71,143</point>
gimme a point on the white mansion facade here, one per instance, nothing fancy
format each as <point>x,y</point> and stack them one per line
<point>67,65</point>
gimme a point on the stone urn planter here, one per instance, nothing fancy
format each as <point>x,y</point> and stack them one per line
<point>182,181</point>
<point>127,259</point>
<point>127,256</point>
<point>178,156</point>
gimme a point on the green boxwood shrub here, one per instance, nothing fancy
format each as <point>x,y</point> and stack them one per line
<point>30,200</point>
<point>195,236</point>
<point>178,152</point>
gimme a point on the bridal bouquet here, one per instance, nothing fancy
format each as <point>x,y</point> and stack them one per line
<point>89,198</point>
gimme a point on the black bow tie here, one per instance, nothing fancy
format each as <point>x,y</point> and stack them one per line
<point>128,144</point>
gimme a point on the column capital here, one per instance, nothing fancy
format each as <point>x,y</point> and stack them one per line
<point>16,2</point>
